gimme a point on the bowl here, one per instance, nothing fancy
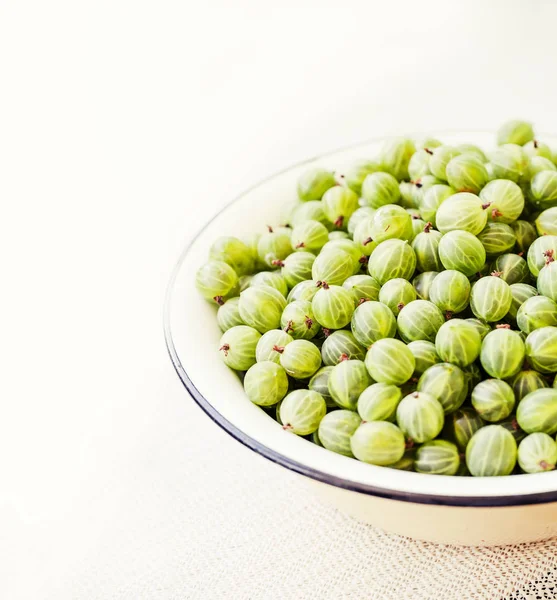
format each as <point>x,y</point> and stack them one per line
<point>455,510</point>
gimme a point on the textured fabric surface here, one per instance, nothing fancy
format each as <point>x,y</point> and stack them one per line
<point>204,518</point>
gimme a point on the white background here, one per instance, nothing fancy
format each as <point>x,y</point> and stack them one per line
<point>124,125</point>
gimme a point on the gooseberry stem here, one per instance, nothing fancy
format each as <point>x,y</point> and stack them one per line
<point>502,326</point>
<point>279,349</point>
<point>496,273</point>
<point>428,227</point>
<point>270,229</point>
<point>300,245</point>
<point>496,213</point>
<point>549,258</point>
<point>362,300</point>
<point>367,241</point>
<point>309,322</point>
<point>219,300</point>
<point>279,263</point>
<point>339,221</point>
<point>486,205</point>
<point>289,327</point>
<point>225,348</point>
<point>344,357</point>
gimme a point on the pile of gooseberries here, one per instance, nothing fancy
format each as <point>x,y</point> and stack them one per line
<point>405,314</point>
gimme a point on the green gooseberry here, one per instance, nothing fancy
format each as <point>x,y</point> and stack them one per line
<point>491,452</point>
<point>333,267</point>
<point>419,320</point>
<point>217,281</point>
<point>271,344</point>
<point>422,284</point>
<point>314,182</point>
<point>272,279</point>
<point>266,383</point>
<point>251,241</point>
<point>510,162</point>
<point>244,282</point>
<point>305,290</point>
<point>298,320</point>
<point>389,222</point>
<point>502,353</point>
<point>406,189</point>
<point>450,291</point>
<point>336,429</point>
<point>515,132</point>
<point>525,234</point>
<point>425,355</point>
<point>437,457</point>
<point>308,211</point>
<point>379,189</point>
<point>341,345</point>
<point>406,463</point>
<point>505,200</point>
<point>320,383</point>
<point>234,252</point>
<point>536,148</point>
<point>302,411</point>
<point>463,211</point>
<point>466,173</point>
<point>497,238</point>
<point>473,149</point>
<point>541,349</point>
<point>426,248</point>
<point>526,382</point>
<point>482,327</point>
<point>392,259</point>
<point>537,412</point>
<point>458,342</point>
<point>537,453</point>
<point>363,287</point>
<point>541,249</point>
<point>359,215</point>
<point>547,280</point>
<point>432,200</point>
<point>261,307</point>
<point>520,293</point>
<point>378,443</point>
<point>273,245</point>
<point>420,417</point>
<point>372,321</point>
<point>446,383</point>
<point>493,399</point>
<point>418,226</point>
<point>512,268</point>
<point>348,379</point>
<point>310,236</point>
<point>228,314</point>
<point>389,361</point>
<point>338,235</point>
<point>538,164</point>
<point>462,251</point>
<point>490,298</point>
<point>379,402</point>
<point>355,175</point>
<point>333,306</point>
<point>396,294</point>
<point>362,237</point>
<point>419,164</point>
<point>536,312</point>
<point>421,186</point>
<point>546,222</point>
<point>297,267</point>
<point>461,425</point>
<point>395,157</point>
<point>300,359</point>
<point>338,204</point>
<point>440,158</point>
<point>349,246</point>
<point>237,347</point>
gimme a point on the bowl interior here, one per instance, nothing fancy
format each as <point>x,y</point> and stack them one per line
<point>193,334</point>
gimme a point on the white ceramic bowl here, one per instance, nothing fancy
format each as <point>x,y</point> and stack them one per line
<point>457,510</point>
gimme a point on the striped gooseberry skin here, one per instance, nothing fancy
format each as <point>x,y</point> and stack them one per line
<point>298,320</point>
<point>355,175</point>
<point>363,213</point>
<point>547,280</point>
<point>228,314</point>
<point>346,245</point>
<point>546,223</point>
<point>421,186</point>
<point>473,375</point>
<point>419,320</point>
<point>497,238</point>
<point>301,411</point>
<point>338,205</point>
<point>340,345</point>
<point>537,453</point>
<point>510,162</point>
<point>216,281</point>
<point>426,248</point>
<point>312,210</point>
<point>336,429</point>
<point>515,132</point>
<point>320,383</point>
<point>491,452</point>
<point>438,457</point>
<point>520,292</point>
<point>450,291</point>
<point>406,463</point>
<point>379,189</point>
<point>300,359</point>
<point>526,234</point>
<point>420,416</point>
<point>378,402</point>
<point>490,298</point>
<point>362,286</point>
<point>419,164</point>
<point>502,353</point>
<point>536,312</point>
<point>493,400</point>
<point>458,342</point>
<point>297,267</point>
<point>363,236</point>
<point>333,306</point>
<point>237,347</point>
<point>447,384</point>
<point>332,266</point>
<point>466,173</point>
<point>266,383</point>
<point>396,294</point>
<point>271,344</point>
<point>372,321</point>
<point>272,279</point>
<point>392,259</point>
<point>305,290</point>
<point>273,246</point>
<point>440,159</point>
<point>261,307</point>
<point>338,234</point>
<point>422,284</point>
<point>462,251</point>
<point>538,164</point>
<point>538,252</point>
<point>378,443</point>
<point>309,236</point>
<point>481,326</point>
<point>525,382</point>
<point>541,349</point>
<point>395,156</point>
<point>505,199</point>
<point>347,381</point>
<point>234,252</point>
<point>432,200</point>
<point>512,268</point>
<point>461,425</point>
<point>391,222</point>
<point>314,182</point>
<point>425,355</point>
<point>463,212</point>
<point>543,189</point>
<point>538,412</point>
<point>389,361</point>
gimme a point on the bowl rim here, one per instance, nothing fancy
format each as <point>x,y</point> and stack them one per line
<point>277,457</point>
